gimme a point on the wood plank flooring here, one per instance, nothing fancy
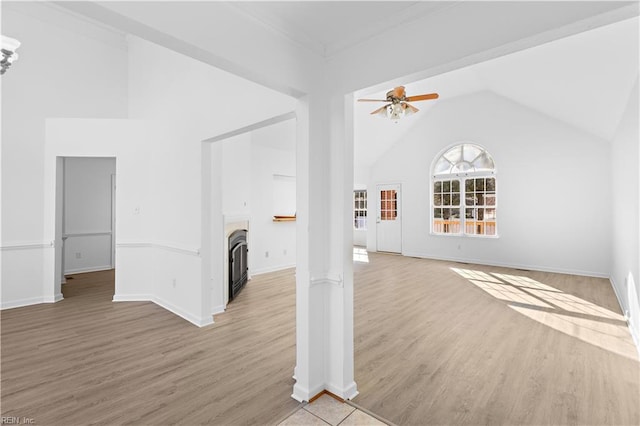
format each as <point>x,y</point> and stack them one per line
<point>448,343</point>
<point>435,343</point>
<point>89,360</point>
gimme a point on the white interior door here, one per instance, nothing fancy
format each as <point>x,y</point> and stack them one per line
<point>388,220</point>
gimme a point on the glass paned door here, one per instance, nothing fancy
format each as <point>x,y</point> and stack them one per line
<point>388,223</point>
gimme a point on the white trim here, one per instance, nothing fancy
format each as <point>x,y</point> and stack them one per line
<point>634,334</point>
<point>301,394</point>
<point>349,392</point>
<point>510,265</point>
<point>255,126</point>
<point>327,279</point>
<point>230,219</point>
<point>272,269</point>
<point>27,246</point>
<point>220,309</point>
<point>176,249</point>
<point>134,245</point>
<point>56,298</point>
<point>31,301</point>
<point>132,298</point>
<point>90,269</point>
<point>86,234</point>
<point>168,247</point>
<point>200,322</point>
<point>462,235</point>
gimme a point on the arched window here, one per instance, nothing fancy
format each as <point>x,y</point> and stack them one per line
<point>464,196</point>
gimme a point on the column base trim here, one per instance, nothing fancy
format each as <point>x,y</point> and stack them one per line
<point>302,394</point>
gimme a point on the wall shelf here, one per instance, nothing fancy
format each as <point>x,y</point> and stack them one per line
<point>284,218</point>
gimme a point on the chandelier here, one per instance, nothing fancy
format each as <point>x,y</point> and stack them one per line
<point>9,55</point>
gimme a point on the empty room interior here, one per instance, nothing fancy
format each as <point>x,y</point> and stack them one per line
<point>412,213</point>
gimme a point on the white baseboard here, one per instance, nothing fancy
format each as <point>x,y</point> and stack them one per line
<point>511,265</point>
<point>634,333</point>
<point>217,310</point>
<point>302,394</point>
<point>56,298</point>
<point>91,269</point>
<point>200,322</point>
<point>348,392</point>
<point>272,269</point>
<point>30,301</point>
<point>132,298</point>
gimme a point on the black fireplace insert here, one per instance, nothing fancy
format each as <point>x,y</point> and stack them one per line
<point>238,268</point>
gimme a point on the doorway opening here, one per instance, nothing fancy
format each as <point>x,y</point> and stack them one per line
<point>85,224</point>
<point>248,179</point>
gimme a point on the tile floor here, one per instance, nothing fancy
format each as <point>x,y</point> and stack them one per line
<point>328,410</point>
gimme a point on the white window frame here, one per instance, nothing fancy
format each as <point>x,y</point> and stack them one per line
<point>360,209</point>
<point>462,177</point>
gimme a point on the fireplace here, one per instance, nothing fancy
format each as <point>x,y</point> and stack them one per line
<point>238,268</point>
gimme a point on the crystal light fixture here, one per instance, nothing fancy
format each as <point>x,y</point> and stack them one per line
<point>9,55</point>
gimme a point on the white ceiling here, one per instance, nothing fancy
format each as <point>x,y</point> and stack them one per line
<point>584,80</point>
<point>329,27</point>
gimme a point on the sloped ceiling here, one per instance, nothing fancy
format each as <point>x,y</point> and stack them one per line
<point>583,80</point>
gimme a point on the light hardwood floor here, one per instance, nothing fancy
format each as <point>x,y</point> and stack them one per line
<point>448,343</point>
<point>435,343</point>
<point>88,360</point>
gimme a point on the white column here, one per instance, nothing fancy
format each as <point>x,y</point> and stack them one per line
<point>324,284</point>
<point>309,371</point>
<point>212,249</point>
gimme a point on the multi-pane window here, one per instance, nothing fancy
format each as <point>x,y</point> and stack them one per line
<point>446,206</point>
<point>480,206</point>
<point>464,192</point>
<point>388,204</point>
<point>360,209</point>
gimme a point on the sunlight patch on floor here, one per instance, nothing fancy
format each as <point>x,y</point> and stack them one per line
<point>554,308</point>
<point>360,255</point>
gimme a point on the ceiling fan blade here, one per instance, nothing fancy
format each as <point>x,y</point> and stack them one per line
<point>409,109</point>
<point>382,110</point>
<point>422,97</point>
<point>372,100</point>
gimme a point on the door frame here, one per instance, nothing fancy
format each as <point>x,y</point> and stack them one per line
<point>399,209</point>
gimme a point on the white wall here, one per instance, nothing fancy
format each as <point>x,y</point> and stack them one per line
<point>236,175</point>
<point>84,78</point>
<point>273,244</point>
<point>250,162</point>
<point>187,101</point>
<point>87,214</point>
<point>625,252</point>
<point>548,177</point>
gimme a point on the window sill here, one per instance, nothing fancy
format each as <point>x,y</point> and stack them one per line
<point>490,237</point>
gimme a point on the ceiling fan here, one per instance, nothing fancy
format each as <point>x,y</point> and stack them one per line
<point>398,105</point>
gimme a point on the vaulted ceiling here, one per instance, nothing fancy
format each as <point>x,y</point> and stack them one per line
<point>583,80</point>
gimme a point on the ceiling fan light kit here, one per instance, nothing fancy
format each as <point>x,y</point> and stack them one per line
<point>398,105</point>
<point>9,55</point>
